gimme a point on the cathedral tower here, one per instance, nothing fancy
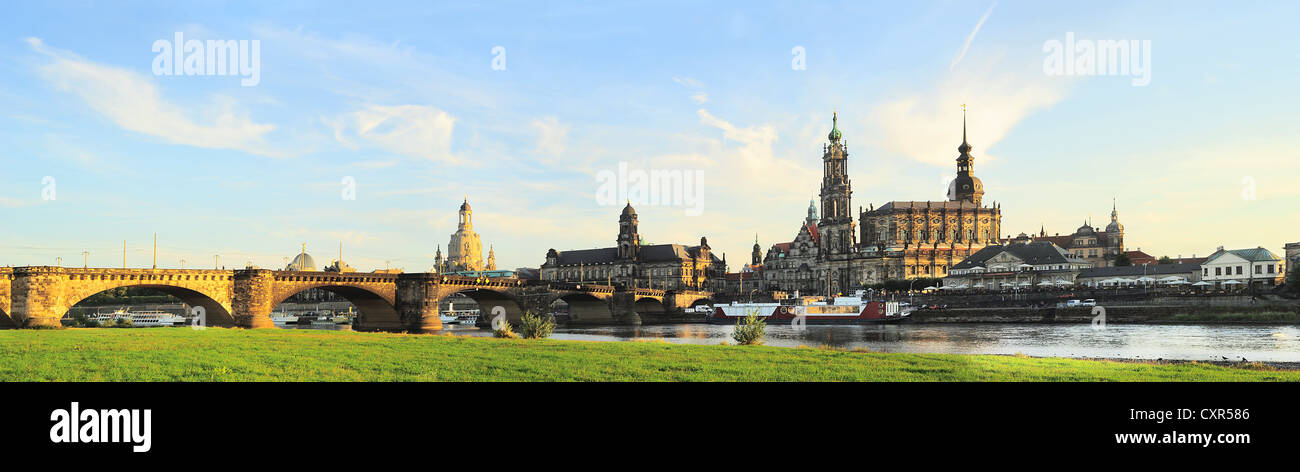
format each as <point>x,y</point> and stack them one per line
<point>757,256</point>
<point>966,187</point>
<point>836,225</point>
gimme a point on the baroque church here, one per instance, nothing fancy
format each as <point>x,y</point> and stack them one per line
<point>1097,246</point>
<point>897,240</point>
<point>464,250</point>
<point>633,263</point>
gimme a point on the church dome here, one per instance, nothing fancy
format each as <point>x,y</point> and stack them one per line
<point>464,206</point>
<point>628,210</point>
<point>1085,229</point>
<point>1114,227</point>
<point>303,262</point>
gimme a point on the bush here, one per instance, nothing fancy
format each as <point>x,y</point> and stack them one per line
<point>505,331</point>
<point>536,327</point>
<point>123,323</point>
<point>79,319</point>
<point>750,330</point>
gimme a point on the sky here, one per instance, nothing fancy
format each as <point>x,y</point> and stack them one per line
<point>368,123</point>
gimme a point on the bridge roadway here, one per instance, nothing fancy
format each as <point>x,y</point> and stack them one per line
<point>41,295</point>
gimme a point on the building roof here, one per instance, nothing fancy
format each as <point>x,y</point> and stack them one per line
<point>1035,253</point>
<point>588,256</point>
<point>1258,254</point>
<point>1140,258</point>
<point>1150,269</point>
<point>948,205</point>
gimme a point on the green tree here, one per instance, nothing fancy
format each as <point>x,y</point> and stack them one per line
<point>1165,260</point>
<point>1122,260</point>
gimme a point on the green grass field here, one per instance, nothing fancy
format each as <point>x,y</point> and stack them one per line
<point>178,354</point>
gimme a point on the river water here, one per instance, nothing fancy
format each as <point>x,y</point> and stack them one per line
<point>1279,343</point>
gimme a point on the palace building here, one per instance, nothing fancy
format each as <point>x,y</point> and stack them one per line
<point>897,240</point>
<point>464,250</point>
<point>633,263</point>
<point>1098,247</point>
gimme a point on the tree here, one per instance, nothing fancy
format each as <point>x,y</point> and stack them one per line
<point>1165,260</point>
<point>1122,260</point>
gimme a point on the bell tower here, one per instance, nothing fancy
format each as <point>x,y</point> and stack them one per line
<point>629,242</point>
<point>836,224</point>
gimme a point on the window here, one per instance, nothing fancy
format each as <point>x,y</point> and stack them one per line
<point>1270,268</point>
<point>1238,270</point>
<point>1260,269</point>
<point>1218,271</point>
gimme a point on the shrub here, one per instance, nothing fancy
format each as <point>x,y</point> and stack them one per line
<point>750,330</point>
<point>536,327</point>
<point>79,319</point>
<point>123,323</point>
<point>504,331</point>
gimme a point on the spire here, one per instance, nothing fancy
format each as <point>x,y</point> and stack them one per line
<point>965,147</point>
<point>835,128</point>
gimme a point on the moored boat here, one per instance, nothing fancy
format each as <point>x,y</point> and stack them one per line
<point>840,310</point>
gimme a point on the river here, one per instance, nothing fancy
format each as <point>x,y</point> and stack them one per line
<point>1266,343</point>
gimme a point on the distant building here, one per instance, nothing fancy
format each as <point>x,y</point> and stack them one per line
<point>1099,247</point>
<point>1292,254</point>
<point>302,262</point>
<point>633,263</point>
<point>1255,267</point>
<point>464,250</point>
<point>1141,258</point>
<point>1023,265</point>
<point>1132,275</point>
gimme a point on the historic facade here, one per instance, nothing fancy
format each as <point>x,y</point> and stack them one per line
<point>464,250</point>
<point>633,263</point>
<point>898,240</point>
<point>1097,246</point>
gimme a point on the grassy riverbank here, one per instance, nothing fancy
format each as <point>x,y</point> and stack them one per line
<point>178,354</point>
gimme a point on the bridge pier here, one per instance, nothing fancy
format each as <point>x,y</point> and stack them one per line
<point>39,297</point>
<point>417,302</point>
<point>251,298</point>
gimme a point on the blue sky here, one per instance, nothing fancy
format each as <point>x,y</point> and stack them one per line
<point>402,98</point>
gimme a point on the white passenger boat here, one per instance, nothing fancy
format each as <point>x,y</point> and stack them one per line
<point>840,310</point>
<point>283,318</point>
<point>139,318</point>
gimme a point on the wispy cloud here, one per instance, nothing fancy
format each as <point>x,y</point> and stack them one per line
<point>133,102</point>
<point>420,131</point>
<point>552,136</point>
<point>971,38</point>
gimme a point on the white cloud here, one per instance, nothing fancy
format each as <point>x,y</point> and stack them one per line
<point>552,136</point>
<point>133,101</point>
<point>700,98</point>
<point>925,124</point>
<point>411,130</point>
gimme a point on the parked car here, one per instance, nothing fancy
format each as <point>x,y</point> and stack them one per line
<point>1074,303</point>
<point>1088,302</point>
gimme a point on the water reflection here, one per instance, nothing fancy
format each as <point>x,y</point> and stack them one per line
<point>1193,342</point>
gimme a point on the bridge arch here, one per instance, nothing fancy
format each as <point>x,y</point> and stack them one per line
<point>216,306</point>
<point>375,308</point>
<point>488,299</point>
<point>586,308</point>
<point>649,306</point>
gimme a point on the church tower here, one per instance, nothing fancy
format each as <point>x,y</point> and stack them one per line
<point>1114,232</point>
<point>465,251</point>
<point>836,225</point>
<point>966,187</point>
<point>492,259</point>
<point>757,255</point>
<point>629,242</point>
<point>812,213</point>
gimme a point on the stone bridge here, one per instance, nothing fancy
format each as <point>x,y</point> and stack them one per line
<point>40,296</point>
